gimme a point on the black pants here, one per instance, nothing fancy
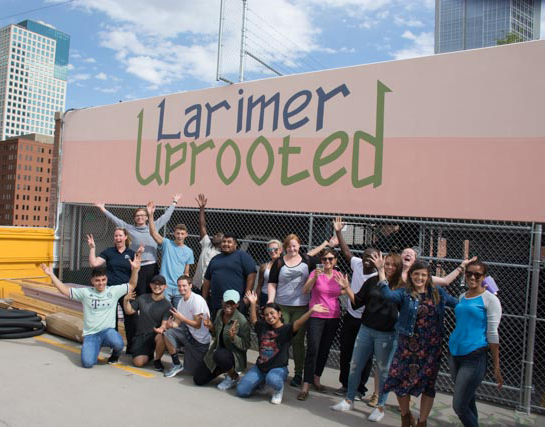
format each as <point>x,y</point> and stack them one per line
<point>349,332</point>
<point>224,360</point>
<point>145,275</point>
<point>130,322</point>
<point>320,334</point>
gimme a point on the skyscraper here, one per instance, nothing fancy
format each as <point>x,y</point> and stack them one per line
<point>470,24</point>
<point>33,75</point>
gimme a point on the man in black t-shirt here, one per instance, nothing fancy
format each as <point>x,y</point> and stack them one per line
<point>153,312</point>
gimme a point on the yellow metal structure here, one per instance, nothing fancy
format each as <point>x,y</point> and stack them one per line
<point>22,250</point>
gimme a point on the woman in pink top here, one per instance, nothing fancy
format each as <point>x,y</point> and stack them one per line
<point>321,327</point>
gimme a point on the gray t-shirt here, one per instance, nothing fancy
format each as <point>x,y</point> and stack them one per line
<point>150,313</point>
<point>141,234</point>
<point>290,281</point>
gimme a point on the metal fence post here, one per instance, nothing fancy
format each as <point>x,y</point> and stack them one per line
<point>310,230</point>
<point>61,243</point>
<point>532,316</point>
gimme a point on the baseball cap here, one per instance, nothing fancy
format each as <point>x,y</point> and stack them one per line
<point>158,278</point>
<point>231,295</point>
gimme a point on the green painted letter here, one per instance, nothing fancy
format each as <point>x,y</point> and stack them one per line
<point>195,151</point>
<point>270,160</point>
<point>320,161</point>
<point>285,151</point>
<point>236,169</point>
<point>155,175</point>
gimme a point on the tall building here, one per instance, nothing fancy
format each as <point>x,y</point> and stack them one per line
<point>470,24</point>
<point>25,180</point>
<point>33,75</point>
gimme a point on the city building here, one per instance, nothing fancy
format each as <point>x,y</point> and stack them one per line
<point>470,24</point>
<point>33,77</point>
<point>25,180</point>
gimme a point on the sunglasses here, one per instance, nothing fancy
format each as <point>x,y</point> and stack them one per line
<point>328,258</point>
<point>273,249</point>
<point>475,274</point>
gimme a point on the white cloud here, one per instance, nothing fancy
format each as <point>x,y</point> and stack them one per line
<point>421,45</point>
<point>101,76</point>
<point>70,66</point>
<point>108,89</point>
<point>90,60</point>
<point>79,77</point>
<point>46,24</point>
<point>407,22</point>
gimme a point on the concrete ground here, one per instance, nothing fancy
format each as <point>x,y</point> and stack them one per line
<point>42,384</point>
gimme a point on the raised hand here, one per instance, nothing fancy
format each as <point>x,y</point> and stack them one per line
<point>233,330</point>
<point>176,197</point>
<point>467,261</point>
<point>333,242</point>
<point>135,263</point>
<point>378,259</point>
<point>47,269</point>
<point>140,249</point>
<point>342,280</point>
<point>252,297</point>
<point>100,205</point>
<point>201,200</point>
<point>338,223</point>
<point>91,241</point>
<point>150,209</point>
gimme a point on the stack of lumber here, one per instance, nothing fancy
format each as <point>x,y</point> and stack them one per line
<point>46,300</point>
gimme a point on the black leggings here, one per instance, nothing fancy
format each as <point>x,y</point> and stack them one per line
<point>224,360</point>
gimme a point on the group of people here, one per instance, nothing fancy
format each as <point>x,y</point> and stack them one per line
<point>394,314</point>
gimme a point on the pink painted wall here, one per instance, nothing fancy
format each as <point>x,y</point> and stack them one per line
<point>464,137</point>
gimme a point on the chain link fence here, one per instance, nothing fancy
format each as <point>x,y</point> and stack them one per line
<point>505,247</point>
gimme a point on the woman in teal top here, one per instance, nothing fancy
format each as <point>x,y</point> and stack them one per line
<point>478,315</point>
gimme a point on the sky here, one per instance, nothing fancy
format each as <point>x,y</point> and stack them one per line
<point>122,50</point>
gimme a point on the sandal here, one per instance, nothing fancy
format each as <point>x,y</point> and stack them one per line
<point>302,395</point>
<point>320,388</point>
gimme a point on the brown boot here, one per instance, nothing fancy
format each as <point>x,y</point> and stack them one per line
<point>407,420</point>
<point>421,423</point>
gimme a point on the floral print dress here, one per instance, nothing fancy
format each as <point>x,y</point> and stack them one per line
<point>417,359</point>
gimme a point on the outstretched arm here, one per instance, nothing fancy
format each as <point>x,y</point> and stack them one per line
<point>252,298</point>
<point>201,203</point>
<point>449,278</point>
<point>135,268</point>
<point>150,208</point>
<point>63,289</point>
<point>302,320</point>
<point>338,225</point>
<point>94,261</point>
<point>163,219</point>
<point>117,221</point>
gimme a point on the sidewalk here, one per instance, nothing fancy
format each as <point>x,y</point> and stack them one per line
<point>43,384</point>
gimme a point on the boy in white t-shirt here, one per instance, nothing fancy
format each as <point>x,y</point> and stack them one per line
<point>186,328</point>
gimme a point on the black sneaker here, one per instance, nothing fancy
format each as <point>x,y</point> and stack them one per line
<point>296,381</point>
<point>114,358</point>
<point>158,365</point>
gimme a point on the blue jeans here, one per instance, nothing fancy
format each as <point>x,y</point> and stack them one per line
<point>173,297</point>
<point>254,378</point>
<point>467,373</point>
<point>369,341</point>
<point>92,344</point>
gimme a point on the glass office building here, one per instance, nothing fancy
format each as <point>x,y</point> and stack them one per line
<point>470,24</point>
<point>33,77</point>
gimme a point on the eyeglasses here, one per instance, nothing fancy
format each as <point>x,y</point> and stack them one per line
<point>328,258</point>
<point>475,274</point>
<point>273,249</point>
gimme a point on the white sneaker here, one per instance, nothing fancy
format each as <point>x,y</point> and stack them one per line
<point>276,398</point>
<point>377,415</point>
<point>227,384</point>
<point>343,405</point>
